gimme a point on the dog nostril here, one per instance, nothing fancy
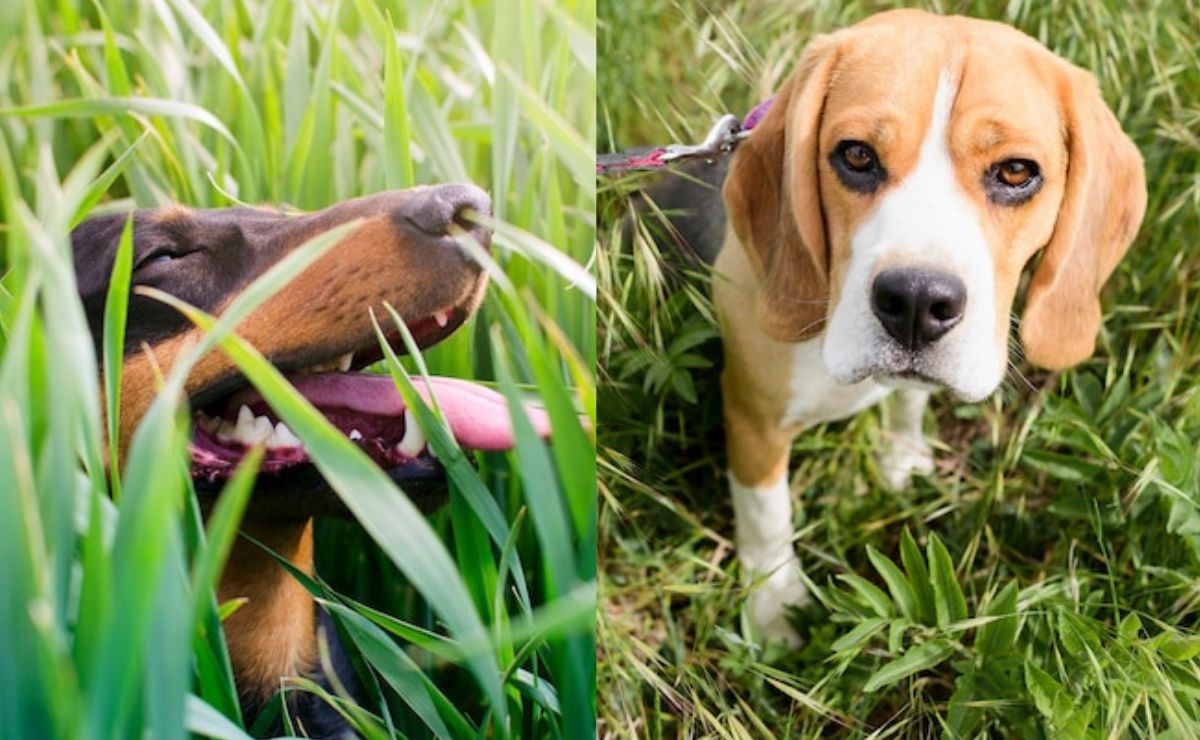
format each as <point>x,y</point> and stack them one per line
<point>943,310</point>
<point>468,217</point>
<point>889,303</point>
<point>917,307</point>
<point>436,209</point>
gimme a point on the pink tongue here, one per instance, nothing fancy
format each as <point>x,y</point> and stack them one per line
<point>478,416</point>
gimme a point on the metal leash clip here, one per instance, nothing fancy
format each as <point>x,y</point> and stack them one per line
<point>721,139</point>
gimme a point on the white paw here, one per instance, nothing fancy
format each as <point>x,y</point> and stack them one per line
<point>900,458</point>
<point>769,601</point>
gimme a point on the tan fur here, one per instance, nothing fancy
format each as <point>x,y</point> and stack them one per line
<point>791,220</point>
<point>1102,208</point>
<point>273,634</point>
<point>774,203</point>
<point>754,396</point>
<point>173,212</point>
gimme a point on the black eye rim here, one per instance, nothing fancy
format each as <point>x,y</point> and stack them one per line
<point>1002,192</point>
<point>863,181</point>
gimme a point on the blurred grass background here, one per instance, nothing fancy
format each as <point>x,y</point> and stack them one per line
<point>1068,504</point>
<point>106,629</point>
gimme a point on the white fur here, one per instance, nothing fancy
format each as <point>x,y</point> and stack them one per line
<point>924,221</point>
<point>818,397</point>
<point>904,450</point>
<point>763,518</point>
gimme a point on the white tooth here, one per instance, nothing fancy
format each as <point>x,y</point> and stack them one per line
<point>441,317</point>
<point>283,437</point>
<point>244,429</point>
<point>345,360</point>
<point>355,435</point>
<point>414,440</point>
<point>262,430</point>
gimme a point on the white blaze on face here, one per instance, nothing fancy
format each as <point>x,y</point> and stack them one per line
<point>925,221</point>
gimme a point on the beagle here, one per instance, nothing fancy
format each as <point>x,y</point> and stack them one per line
<point>878,222</point>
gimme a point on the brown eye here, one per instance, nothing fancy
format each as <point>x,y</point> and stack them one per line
<point>859,157</point>
<point>1012,181</point>
<point>1015,172</point>
<point>857,166</point>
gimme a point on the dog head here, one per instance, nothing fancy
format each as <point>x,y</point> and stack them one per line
<point>403,253</point>
<point>906,173</point>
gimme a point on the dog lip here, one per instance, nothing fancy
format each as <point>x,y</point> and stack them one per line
<point>427,331</point>
<point>901,372</point>
<point>914,375</point>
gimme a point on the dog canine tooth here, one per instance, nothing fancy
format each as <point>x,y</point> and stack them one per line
<point>441,317</point>
<point>344,361</point>
<point>355,435</point>
<point>413,441</point>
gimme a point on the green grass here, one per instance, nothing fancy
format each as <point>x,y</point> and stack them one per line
<point>1049,586</point>
<point>475,621</point>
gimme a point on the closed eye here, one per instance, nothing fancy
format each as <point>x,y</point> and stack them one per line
<point>857,166</point>
<point>156,257</point>
<point>161,257</point>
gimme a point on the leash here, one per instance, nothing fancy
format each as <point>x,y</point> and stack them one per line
<point>722,138</point>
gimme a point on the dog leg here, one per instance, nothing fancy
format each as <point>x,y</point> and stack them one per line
<point>763,518</point>
<point>904,450</point>
<point>762,507</point>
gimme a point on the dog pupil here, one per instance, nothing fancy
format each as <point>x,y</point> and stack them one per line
<point>858,157</point>
<point>1015,173</point>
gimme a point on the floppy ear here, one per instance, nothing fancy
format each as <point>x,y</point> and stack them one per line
<point>1103,204</point>
<point>773,199</point>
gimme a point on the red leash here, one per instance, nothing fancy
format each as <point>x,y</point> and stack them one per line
<point>722,138</point>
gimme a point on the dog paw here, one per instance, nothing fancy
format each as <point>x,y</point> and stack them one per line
<point>768,604</point>
<point>901,458</point>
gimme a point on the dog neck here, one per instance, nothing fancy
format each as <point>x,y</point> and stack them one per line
<point>273,634</point>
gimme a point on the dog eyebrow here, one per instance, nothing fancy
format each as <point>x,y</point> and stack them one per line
<point>988,133</point>
<point>173,213</point>
<point>877,128</point>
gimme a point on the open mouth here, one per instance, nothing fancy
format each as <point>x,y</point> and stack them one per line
<point>231,417</point>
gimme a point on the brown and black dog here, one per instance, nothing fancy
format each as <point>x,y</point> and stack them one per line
<point>317,330</point>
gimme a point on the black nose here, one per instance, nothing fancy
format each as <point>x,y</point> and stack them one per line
<point>917,307</point>
<point>439,210</point>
